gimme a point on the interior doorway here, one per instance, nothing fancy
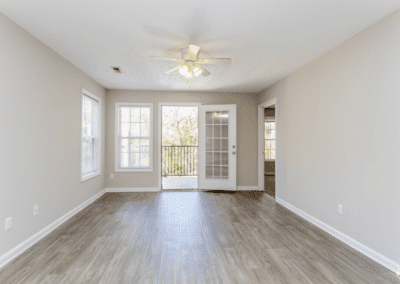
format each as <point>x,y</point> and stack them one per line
<point>179,146</point>
<point>267,141</point>
<point>269,150</point>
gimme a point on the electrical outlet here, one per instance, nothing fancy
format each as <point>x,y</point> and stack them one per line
<point>35,210</point>
<point>111,176</point>
<point>8,224</point>
<point>340,209</point>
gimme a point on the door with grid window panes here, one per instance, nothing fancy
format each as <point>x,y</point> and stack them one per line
<point>217,147</point>
<point>134,137</point>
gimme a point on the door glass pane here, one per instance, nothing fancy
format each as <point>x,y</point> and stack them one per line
<point>216,146</point>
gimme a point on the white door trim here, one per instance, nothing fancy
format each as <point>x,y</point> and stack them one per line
<point>159,141</point>
<point>261,157</point>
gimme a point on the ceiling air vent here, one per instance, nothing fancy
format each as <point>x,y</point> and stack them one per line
<point>117,69</point>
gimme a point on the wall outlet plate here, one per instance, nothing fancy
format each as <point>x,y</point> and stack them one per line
<point>35,210</point>
<point>340,209</point>
<point>8,224</point>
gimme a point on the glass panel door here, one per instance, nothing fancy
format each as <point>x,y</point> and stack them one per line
<point>217,147</point>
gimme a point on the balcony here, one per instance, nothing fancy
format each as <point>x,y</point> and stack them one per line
<point>179,167</point>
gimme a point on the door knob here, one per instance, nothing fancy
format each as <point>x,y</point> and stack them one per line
<point>233,152</point>
<point>233,146</point>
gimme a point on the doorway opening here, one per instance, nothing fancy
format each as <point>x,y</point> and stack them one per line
<point>268,147</point>
<point>179,147</point>
<point>269,150</point>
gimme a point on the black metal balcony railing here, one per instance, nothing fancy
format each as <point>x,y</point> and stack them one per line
<point>179,160</point>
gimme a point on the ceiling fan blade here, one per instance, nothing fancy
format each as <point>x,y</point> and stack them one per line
<point>159,58</point>
<point>193,51</point>
<point>220,61</point>
<point>205,72</point>
<point>173,69</point>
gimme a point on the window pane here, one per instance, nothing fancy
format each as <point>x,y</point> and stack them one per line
<point>124,160</point>
<point>225,172</point>
<point>273,154</point>
<point>224,145</point>
<point>144,149</point>
<point>224,158</point>
<point>209,144</point>
<point>134,145</point>
<point>125,127</point>
<point>224,117</point>
<point>125,113</point>
<point>145,130</point>
<point>224,131</point>
<point>273,144</point>
<point>134,160</point>
<point>209,117</point>
<point>145,111</point>
<point>272,134</point>
<point>209,171</point>
<point>135,114</point>
<point>268,144</point>
<point>88,146</point>
<point>135,129</point>
<point>272,125</point>
<point>209,158</point>
<point>217,158</point>
<point>144,142</point>
<point>124,146</point>
<point>144,159</point>
<point>217,131</point>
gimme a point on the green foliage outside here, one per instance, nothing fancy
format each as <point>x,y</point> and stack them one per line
<point>179,128</point>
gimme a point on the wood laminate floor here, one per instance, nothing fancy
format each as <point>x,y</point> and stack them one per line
<point>191,237</point>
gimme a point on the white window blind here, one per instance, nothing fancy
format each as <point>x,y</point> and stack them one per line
<point>90,148</point>
<point>134,137</point>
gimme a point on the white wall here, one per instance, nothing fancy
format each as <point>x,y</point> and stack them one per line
<point>40,124</point>
<point>339,135</point>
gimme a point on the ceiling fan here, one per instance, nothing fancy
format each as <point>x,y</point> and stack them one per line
<point>189,66</point>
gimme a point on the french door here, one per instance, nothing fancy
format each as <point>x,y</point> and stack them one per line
<point>217,147</point>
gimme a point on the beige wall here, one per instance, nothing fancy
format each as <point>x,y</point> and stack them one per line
<point>246,133</point>
<point>338,137</point>
<point>40,124</point>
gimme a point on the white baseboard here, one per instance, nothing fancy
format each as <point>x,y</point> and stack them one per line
<point>16,251</point>
<point>247,188</point>
<point>383,260</point>
<point>134,189</point>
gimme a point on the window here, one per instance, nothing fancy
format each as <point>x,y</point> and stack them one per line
<point>134,137</point>
<point>90,138</point>
<point>269,140</point>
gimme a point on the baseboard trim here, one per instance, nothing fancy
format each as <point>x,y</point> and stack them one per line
<point>377,257</point>
<point>247,188</point>
<point>19,249</point>
<point>134,189</point>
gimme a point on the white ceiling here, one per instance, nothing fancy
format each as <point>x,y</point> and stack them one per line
<point>266,40</point>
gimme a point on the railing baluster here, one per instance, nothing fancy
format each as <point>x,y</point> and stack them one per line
<point>179,160</point>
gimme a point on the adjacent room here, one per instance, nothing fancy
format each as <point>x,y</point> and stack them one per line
<point>200,142</point>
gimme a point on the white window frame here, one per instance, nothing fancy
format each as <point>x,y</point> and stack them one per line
<point>97,171</point>
<point>117,137</point>
<point>272,119</point>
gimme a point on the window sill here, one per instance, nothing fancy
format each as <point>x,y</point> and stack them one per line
<point>269,160</point>
<point>89,176</point>
<point>133,170</point>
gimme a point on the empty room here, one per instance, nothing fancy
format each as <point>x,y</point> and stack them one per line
<point>200,142</point>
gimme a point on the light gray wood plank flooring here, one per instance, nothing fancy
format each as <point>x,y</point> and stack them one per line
<point>191,237</point>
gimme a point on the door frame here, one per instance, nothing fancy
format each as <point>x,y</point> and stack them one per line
<point>159,139</point>
<point>261,131</point>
